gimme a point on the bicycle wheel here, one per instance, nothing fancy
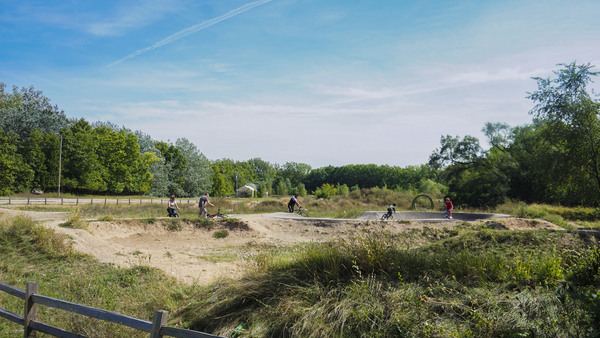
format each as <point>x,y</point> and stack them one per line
<point>303,213</point>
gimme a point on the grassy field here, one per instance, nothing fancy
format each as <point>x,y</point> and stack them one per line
<point>466,282</point>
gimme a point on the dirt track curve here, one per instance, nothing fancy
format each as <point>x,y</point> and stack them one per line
<point>195,256</point>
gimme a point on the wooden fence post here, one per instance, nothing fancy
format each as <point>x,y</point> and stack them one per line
<point>27,200</point>
<point>77,201</point>
<point>160,320</point>
<point>30,309</point>
<point>45,200</point>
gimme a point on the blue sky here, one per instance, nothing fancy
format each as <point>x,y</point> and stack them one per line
<point>320,82</point>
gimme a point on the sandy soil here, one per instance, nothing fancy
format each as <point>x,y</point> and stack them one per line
<point>194,255</point>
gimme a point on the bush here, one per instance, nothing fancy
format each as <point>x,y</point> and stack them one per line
<point>221,234</point>
<point>326,191</point>
<point>586,270</point>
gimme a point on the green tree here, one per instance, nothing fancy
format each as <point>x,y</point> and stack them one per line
<point>263,170</point>
<point>456,152</point>
<point>281,188</point>
<point>294,172</point>
<point>15,174</point>
<point>125,168</point>
<point>33,153</point>
<point>27,109</point>
<point>169,171</point>
<point>476,177</point>
<point>571,123</point>
<point>197,170</point>
<point>82,170</point>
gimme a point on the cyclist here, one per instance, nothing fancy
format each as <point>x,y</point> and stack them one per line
<point>390,209</point>
<point>293,202</point>
<point>449,207</point>
<point>171,206</point>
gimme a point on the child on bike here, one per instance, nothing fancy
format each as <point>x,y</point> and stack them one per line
<point>448,205</point>
<point>390,209</point>
<point>171,206</point>
<point>293,202</point>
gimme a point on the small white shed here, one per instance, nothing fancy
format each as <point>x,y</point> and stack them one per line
<point>246,191</point>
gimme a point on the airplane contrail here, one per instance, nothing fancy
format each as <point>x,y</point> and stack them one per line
<point>193,29</point>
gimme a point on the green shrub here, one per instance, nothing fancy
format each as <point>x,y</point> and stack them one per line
<point>326,191</point>
<point>75,221</point>
<point>221,234</point>
<point>586,269</point>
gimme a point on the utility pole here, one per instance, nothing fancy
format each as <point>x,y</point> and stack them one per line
<point>59,164</point>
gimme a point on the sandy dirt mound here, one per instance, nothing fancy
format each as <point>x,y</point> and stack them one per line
<point>194,255</point>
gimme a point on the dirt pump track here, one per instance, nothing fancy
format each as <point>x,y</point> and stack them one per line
<point>194,255</point>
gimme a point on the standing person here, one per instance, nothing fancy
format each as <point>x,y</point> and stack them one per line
<point>449,207</point>
<point>171,206</point>
<point>202,205</point>
<point>293,202</point>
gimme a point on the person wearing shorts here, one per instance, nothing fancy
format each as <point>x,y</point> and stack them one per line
<point>202,205</point>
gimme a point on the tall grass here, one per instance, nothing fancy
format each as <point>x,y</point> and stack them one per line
<point>465,285</point>
<point>33,253</point>
<point>566,217</point>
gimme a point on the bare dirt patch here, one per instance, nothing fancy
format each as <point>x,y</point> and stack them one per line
<point>193,254</point>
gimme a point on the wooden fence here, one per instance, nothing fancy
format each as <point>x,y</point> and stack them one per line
<point>77,201</point>
<point>156,328</point>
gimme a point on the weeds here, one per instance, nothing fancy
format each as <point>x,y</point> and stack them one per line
<point>75,221</point>
<point>173,225</point>
<point>221,234</point>
<point>106,218</point>
<point>33,253</point>
<point>204,223</point>
<point>474,283</point>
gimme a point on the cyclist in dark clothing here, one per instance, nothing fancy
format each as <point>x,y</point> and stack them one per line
<point>293,202</point>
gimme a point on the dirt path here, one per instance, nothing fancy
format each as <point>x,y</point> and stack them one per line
<point>194,255</point>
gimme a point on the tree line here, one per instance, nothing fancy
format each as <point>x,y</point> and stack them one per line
<point>555,159</point>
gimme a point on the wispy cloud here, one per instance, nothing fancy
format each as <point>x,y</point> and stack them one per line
<point>130,16</point>
<point>193,29</point>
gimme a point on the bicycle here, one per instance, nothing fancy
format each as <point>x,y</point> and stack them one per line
<point>218,215</point>
<point>174,214</point>
<point>387,216</point>
<point>302,212</point>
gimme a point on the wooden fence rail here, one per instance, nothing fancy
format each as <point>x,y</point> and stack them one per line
<point>156,328</point>
<point>77,201</point>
